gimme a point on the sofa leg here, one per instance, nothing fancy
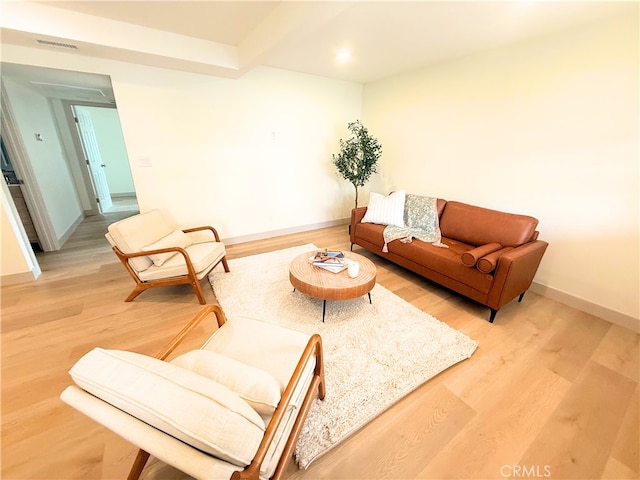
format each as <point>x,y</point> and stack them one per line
<point>521,297</point>
<point>492,317</point>
<point>352,246</point>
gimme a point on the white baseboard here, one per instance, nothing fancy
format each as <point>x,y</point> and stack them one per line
<point>605,313</point>
<point>65,236</point>
<point>285,231</point>
<point>22,277</point>
<point>123,195</point>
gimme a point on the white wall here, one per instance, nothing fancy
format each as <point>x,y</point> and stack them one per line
<point>547,127</point>
<point>33,115</point>
<point>248,156</point>
<point>112,149</point>
<point>75,165</point>
<point>17,260</point>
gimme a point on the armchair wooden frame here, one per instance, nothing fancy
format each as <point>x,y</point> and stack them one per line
<point>190,278</point>
<point>252,471</point>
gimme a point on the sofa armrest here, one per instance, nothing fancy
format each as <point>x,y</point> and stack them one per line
<point>515,272</point>
<point>357,214</point>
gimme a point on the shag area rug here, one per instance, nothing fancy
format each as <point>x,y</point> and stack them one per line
<point>375,354</point>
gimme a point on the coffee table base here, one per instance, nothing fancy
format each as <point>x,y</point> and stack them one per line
<point>324,304</point>
<point>320,284</point>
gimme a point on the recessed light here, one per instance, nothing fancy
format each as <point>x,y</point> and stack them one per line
<point>343,55</point>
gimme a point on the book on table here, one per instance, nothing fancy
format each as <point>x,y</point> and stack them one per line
<point>331,260</point>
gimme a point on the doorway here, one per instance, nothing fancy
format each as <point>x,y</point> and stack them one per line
<point>102,154</point>
<point>15,189</point>
<point>60,197</point>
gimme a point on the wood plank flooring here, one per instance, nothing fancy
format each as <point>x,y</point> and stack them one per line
<point>551,392</point>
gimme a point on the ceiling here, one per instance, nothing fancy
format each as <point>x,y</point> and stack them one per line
<point>229,38</point>
<point>63,84</point>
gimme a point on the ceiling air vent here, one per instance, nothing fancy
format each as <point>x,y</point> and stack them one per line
<point>59,89</point>
<point>57,44</point>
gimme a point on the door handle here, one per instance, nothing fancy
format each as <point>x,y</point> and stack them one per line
<point>102,165</point>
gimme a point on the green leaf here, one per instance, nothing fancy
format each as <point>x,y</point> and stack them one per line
<point>358,156</point>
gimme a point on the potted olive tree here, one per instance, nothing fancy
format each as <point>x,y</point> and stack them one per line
<point>358,156</point>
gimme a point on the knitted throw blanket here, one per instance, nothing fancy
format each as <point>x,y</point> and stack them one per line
<point>421,222</point>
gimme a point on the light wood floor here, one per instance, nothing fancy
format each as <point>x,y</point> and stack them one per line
<point>551,392</point>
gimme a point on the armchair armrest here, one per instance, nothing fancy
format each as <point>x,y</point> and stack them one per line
<point>515,272</point>
<point>203,228</point>
<point>142,456</point>
<point>313,348</point>
<point>221,319</point>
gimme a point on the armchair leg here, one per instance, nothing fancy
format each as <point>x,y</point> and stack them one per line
<point>492,317</point>
<point>135,292</point>
<point>224,264</point>
<point>198,289</point>
<point>521,296</point>
<point>138,465</point>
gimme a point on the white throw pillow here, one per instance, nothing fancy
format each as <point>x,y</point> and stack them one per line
<point>257,387</point>
<point>175,239</point>
<point>387,210</point>
<point>188,406</point>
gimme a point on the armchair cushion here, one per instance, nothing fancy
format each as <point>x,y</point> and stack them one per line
<point>177,238</point>
<point>256,386</point>
<point>185,405</point>
<point>134,233</point>
<point>271,347</point>
<point>202,255</point>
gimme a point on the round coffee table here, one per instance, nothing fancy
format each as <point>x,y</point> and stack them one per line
<point>319,283</point>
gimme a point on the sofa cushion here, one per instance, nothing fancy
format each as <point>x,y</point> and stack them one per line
<point>133,233</point>
<point>445,261</point>
<point>387,210</point>
<point>254,385</point>
<point>192,408</point>
<point>370,232</point>
<point>471,257</point>
<point>479,226</point>
<point>177,238</point>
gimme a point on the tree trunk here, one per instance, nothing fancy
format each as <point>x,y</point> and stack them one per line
<point>356,187</point>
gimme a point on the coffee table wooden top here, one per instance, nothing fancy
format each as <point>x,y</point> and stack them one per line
<point>324,285</point>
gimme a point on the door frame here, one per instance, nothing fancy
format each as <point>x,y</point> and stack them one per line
<point>79,151</point>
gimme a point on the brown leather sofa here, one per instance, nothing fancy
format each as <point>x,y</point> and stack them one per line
<point>492,256</point>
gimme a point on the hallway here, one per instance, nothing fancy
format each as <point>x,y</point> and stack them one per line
<point>86,249</point>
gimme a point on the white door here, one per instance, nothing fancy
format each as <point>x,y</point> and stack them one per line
<point>93,158</point>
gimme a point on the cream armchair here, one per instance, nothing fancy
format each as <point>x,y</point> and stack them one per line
<point>157,254</point>
<point>232,409</point>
